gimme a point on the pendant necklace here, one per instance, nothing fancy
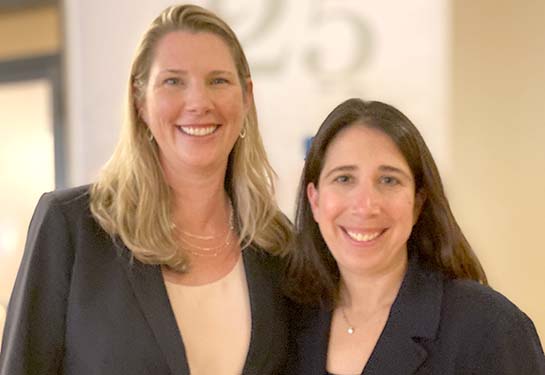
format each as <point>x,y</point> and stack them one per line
<point>351,329</point>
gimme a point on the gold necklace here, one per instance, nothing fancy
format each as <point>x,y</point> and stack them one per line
<point>204,251</point>
<point>206,248</point>
<point>206,238</point>
<point>208,251</point>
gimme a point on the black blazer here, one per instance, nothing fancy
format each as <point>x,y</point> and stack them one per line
<point>436,326</point>
<point>81,305</point>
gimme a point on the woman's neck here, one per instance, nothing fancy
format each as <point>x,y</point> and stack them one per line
<point>204,210</point>
<point>365,293</point>
<point>204,222</point>
<point>200,201</point>
<point>202,216</point>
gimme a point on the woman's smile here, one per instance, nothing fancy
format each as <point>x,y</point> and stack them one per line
<point>365,236</point>
<point>194,104</point>
<point>364,202</point>
<point>198,130</point>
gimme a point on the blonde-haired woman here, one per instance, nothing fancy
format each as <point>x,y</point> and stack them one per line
<point>167,264</point>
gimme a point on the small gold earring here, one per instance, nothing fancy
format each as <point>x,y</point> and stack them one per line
<point>242,133</point>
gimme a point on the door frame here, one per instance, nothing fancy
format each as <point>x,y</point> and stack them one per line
<point>44,67</point>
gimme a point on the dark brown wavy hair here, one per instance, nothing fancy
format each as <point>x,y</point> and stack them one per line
<point>312,274</point>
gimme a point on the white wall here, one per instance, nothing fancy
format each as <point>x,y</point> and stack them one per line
<point>387,50</point>
<point>27,167</point>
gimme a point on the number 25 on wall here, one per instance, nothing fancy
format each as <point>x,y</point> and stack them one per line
<point>321,15</point>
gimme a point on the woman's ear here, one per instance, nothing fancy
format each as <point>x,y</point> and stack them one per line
<point>419,200</point>
<point>141,112</point>
<point>313,196</point>
<point>139,102</point>
<point>248,94</point>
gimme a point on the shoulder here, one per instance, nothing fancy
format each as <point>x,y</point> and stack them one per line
<point>490,329</point>
<point>76,196</point>
<point>71,202</point>
<point>63,215</point>
<point>480,310</point>
<point>474,301</point>
<point>52,235</point>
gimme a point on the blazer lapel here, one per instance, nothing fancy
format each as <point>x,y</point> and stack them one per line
<point>312,342</point>
<point>265,305</point>
<point>414,316</point>
<point>396,352</point>
<point>148,286</point>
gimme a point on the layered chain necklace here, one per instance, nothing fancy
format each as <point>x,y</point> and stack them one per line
<point>212,249</point>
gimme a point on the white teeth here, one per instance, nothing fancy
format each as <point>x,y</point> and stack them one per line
<point>198,131</point>
<point>363,237</point>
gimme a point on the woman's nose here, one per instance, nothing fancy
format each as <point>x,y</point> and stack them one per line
<point>197,99</point>
<point>366,200</point>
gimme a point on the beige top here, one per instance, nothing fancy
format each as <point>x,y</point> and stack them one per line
<point>215,322</point>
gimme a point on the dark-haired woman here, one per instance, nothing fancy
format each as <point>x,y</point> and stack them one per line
<point>387,282</point>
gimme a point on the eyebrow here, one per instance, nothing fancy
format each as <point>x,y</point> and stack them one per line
<point>342,168</point>
<point>217,72</point>
<point>172,70</point>
<point>179,71</point>
<point>382,168</point>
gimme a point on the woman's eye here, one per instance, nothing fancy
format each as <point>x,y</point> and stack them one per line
<point>343,179</point>
<point>172,81</point>
<point>219,81</point>
<point>389,180</point>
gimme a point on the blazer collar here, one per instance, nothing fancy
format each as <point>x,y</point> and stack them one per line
<point>149,288</point>
<point>414,317</point>
<point>311,341</point>
<point>264,304</point>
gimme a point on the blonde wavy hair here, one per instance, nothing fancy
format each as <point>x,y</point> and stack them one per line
<point>131,199</point>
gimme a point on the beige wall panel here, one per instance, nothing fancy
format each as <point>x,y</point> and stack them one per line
<point>34,31</point>
<point>498,128</point>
